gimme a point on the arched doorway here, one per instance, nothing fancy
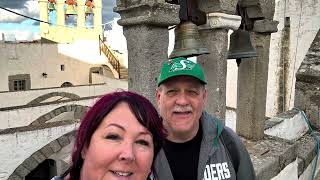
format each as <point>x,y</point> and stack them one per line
<point>44,171</point>
<point>67,84</point>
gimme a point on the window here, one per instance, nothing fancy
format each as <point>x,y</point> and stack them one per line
<point>19,85</point>
<point>19,82</point>
<point>62,67</point>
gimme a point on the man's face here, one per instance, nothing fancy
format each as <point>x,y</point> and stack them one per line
<point>181,101</point>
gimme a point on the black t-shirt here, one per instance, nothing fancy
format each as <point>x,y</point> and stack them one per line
<point>183,158</point>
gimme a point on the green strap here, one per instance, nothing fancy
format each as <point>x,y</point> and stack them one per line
<point>219,130</point>
<point>317,139</point>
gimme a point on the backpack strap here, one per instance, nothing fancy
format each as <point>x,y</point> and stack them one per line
<point>231,147</point>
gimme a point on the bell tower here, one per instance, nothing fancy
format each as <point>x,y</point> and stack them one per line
<point>61,33</point>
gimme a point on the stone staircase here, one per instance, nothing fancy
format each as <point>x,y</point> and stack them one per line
<point>113,59</point>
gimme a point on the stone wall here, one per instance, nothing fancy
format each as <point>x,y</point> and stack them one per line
<point>35,59</point>
<point>282,153</point>
<point>302,20</point>
<point>308,83</point>
<point>23,151</point>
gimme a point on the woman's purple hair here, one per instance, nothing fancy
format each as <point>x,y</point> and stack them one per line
<point>142,109</point>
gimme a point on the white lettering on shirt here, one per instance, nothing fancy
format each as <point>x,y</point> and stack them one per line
<point>217,171</point>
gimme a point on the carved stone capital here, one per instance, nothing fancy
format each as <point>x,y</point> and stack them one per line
<point>151,13</point>
<point>221,21</point>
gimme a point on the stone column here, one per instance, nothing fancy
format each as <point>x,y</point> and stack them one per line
<point>81,15</point>
<point>60,12</point>
<point>97,17</point>
<point>214,34</point>
<point>43,6</point>
<point>252,83</point>
<point>145,26</point>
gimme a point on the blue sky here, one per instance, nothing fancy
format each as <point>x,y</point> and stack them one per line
<point>27,29</point>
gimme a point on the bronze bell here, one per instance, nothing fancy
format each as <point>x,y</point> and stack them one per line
<point>51,6</point>
<point>240,45</point>
<point>71,10</point>
<point>187,41</point>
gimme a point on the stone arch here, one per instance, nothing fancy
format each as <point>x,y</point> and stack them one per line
<point>42,154</point>
<point>45,170</point>
<point>78,110</point>
<point>44,97</point>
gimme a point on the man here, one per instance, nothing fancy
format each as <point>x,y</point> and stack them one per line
<point>198,147</point>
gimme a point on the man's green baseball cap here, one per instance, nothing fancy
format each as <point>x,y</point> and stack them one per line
<point>180,67</point>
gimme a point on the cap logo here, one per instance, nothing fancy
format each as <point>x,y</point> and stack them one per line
<point>182,65</point>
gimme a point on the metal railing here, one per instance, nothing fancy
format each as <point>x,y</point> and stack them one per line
<point>109,54</point>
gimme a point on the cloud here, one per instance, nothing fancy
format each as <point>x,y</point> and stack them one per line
<point>31,8</point>
<point>13,4</point>
<point>28,8</point>
<point>107,10</point>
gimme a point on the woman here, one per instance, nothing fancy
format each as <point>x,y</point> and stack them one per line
<point>118,138</point>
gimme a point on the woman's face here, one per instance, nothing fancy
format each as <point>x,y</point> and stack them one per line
<point>120,148</point>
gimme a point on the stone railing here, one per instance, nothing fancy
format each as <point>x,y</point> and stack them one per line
<point>286,152</point>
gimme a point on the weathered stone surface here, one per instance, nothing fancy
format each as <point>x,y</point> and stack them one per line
<point>36,122</point>
<point>300,99</point>
<point>15,177</point>
<point>147,50</point>
<point>22,171</point>
<point>270,156</point>
<point>68,108</point>
<point>73,107</point>
<point>266,168</point>
<point>30,163</point>
<point>57,111</point>
<point>52,114</point>
<point>38,156</point>
<point>314,113</point>
<point>55,146</point>
<point>126,3</point>
<point>63,141</point>
<point>308,83</point>
<point>63,109</point>
<point>311,64</point>
<point>225,6</point>
<point>267,7</point>
<point>150,13</point>
<point>306,149</point>
<point>215,69</point>
<point>79,112</point>
<point>221,21</point>
<point>47,117</point>
<point>252,89</point>
<point>47,151</point>
<point>254,12</point>
<point>265,26</point>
